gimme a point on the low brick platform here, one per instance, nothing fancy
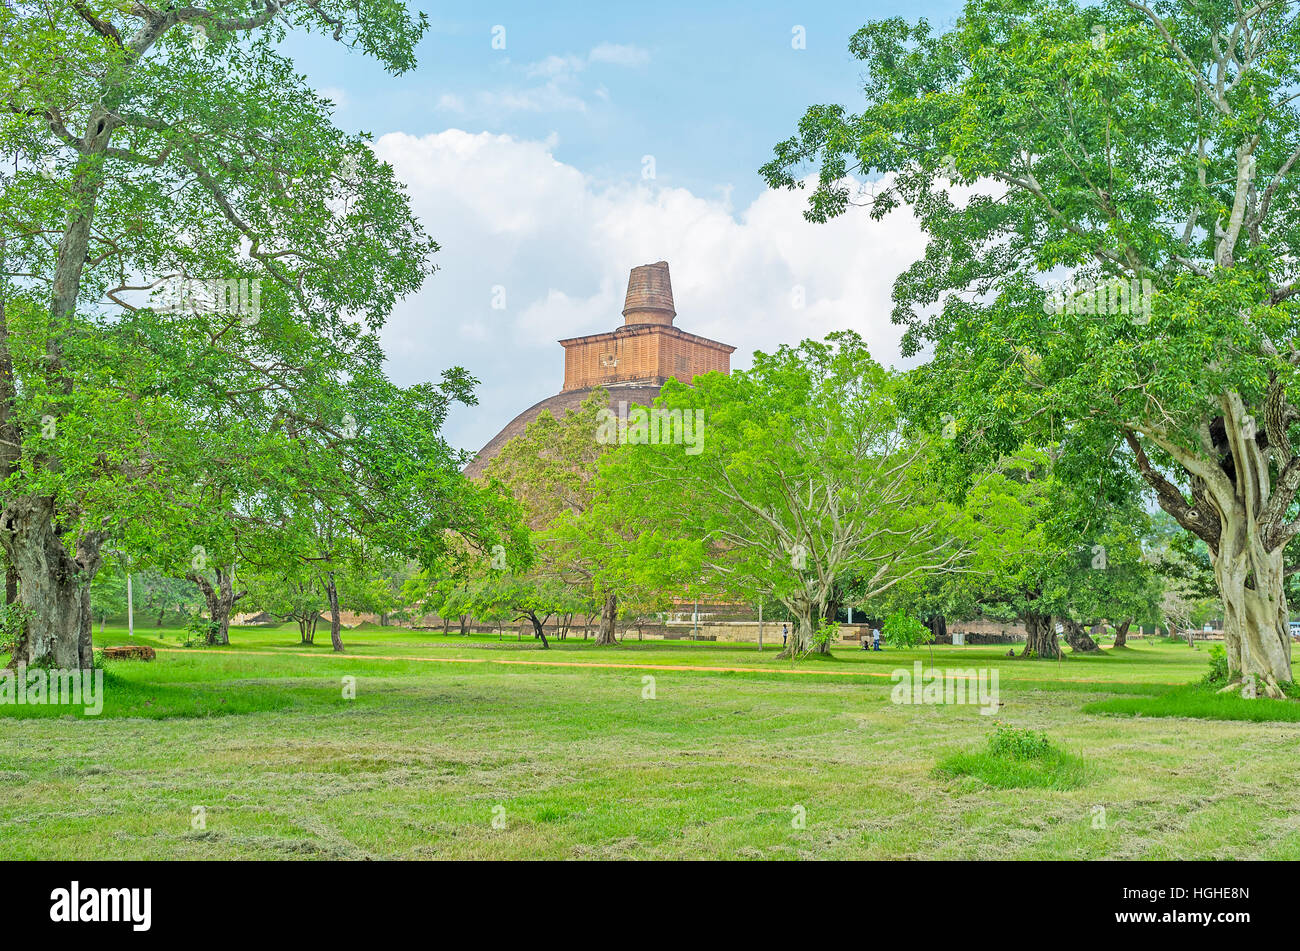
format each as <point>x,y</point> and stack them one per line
<point>130,652</point>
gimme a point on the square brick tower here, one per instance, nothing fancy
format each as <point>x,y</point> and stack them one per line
<point>647,348</point>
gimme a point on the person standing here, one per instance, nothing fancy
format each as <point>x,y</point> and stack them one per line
<point>875,638</point>
<point>785,632</point>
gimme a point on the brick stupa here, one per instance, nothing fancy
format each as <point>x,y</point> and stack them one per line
<point>632,362</point>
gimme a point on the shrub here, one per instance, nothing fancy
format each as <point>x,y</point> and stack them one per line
<point>198,631</point>
<point>1217,675</point>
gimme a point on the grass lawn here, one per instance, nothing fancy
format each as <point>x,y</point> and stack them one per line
<point>446,734</point>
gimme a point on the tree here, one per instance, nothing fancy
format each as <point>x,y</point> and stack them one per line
<point>1046,552</point>
<point>178,145</point>
<point>293,595</point>
<point>904,632</point>
<point>1150,155</point>
<point>549,469</point>
<point>803,475</point>
<point>373,482</point>
<point>221,596</point>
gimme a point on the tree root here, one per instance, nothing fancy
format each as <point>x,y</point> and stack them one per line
<point>1252,687</point>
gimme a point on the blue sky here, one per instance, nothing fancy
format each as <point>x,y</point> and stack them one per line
<point>528,165</point>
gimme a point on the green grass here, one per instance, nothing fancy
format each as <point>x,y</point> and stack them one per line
<point>125,695</point>
<point>447,732</point>
<point>1201,702</point>
<point>1017,759</point>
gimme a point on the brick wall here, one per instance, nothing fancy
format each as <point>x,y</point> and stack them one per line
<point>645,352</point>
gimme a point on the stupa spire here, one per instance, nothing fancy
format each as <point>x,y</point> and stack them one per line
<point>649,296</point>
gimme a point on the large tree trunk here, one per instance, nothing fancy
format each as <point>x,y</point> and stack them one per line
<point>332,593</point>
<point>1077,637</point>
<point>1255,628</point>
<point>938,626</point>
<point>1040,640</point>
<point>1239,510</point>
<point>606,635</point>
<point>1121,634</point>
<point>54,587</point>
<point>221,600</point>
<point>830,614</point>
<point>801,637</point>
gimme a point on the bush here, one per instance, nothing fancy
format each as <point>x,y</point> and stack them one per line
<point>199,631</point>
<point>1217,675</point>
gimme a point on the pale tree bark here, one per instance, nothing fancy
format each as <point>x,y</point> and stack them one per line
<point>802,631</point>
<point>54,587</point>
<point>1238,509</point>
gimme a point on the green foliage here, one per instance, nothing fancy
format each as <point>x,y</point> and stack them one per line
<point>108,591</point>
<point>199,631</point>
<point>1107,144</point>
<point>825,635</point>
<point>583,548</point>
<point>804,476</point>
<point>1218,673</point>
<point>12,618</point>
<point>902,631</point>
<point>192,437</point>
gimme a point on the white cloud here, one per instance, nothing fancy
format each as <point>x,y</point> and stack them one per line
<point>513,220</point>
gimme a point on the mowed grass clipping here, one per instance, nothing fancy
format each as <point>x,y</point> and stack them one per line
<point>416,744</point>
<point>1017,759</point>
<point>1199,702</point>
